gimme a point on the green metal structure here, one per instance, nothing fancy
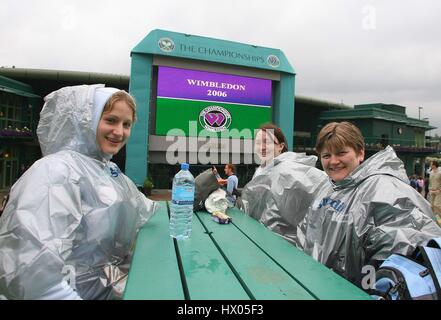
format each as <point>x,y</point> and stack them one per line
<point>168,48</point>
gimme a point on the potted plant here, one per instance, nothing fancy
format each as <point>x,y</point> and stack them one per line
<point>147,187</point>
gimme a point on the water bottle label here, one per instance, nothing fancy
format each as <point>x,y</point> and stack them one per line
<point>183,195</point>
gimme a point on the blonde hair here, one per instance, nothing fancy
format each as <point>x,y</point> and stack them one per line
<point>121,96</point>
<point>336,135</point>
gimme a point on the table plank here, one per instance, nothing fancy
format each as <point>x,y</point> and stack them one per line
<point>154,272</point>
<point>207,274</point>
<point>322,282</point>
<point>261,275</point>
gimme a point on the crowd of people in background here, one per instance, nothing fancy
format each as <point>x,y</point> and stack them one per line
<point>418,183</point>
<point>430,187</point>
<point>435,190</point>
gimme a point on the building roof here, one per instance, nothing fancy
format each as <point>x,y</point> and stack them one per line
<point>17,87</point>
<point>324,104</point>
<point>379,111</point>
<point>45,81</point>
<point>63,75</point>
<point>175,44</point>
<point>41,82</point>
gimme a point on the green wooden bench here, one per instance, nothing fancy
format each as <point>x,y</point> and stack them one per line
<point>239,261</point>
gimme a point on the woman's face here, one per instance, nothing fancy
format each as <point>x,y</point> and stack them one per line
<point>266,146</point>
<point>114,128</point>
<point>340,164</point>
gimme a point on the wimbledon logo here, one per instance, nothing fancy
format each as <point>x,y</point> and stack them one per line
<point>215,118</point>
<point>273,61</point>
<point>166,44</point>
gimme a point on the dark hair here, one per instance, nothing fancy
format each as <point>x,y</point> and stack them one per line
<point>336,135</point>
<point>277,132</point>
<point>435,163</point>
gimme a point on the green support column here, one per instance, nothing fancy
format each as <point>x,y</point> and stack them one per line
<point>137,147</point>
<point>284,113</point>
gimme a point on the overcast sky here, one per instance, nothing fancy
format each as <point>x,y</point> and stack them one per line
<point>350,51</point>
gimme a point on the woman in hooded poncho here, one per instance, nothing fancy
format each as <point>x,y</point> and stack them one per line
<point>283,186</point>
<point>368,211</point>
<point>68,229</point>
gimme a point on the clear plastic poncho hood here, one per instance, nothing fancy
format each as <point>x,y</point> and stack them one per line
<point>69,119</point>
<point>73,215</point>
<point>367,216</point>
<point>280,194</point>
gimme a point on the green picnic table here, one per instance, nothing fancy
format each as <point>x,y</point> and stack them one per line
<point>242,260</point>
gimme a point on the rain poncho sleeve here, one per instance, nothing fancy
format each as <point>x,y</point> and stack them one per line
<point>279,196</point>
<point>35,240</point>
<point>368,216</point>
<point>72,218</point>
<point>398,222</point>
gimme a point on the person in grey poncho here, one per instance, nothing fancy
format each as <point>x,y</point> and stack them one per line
<point>283,187</point>
<point>369,210</point>
<point>69,227</point>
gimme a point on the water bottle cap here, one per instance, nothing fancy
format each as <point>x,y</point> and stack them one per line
<point>185,166</point>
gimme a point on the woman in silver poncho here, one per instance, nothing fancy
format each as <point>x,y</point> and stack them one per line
<point>71,220</point>
<point>283,186</point>
<point>369,210</point>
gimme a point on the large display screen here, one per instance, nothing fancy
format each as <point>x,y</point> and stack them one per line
<point>217,102</point>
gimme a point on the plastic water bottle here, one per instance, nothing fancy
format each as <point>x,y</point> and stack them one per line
<point>182,203</point>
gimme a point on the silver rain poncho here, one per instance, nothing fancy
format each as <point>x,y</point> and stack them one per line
<point>279,195</point>
<point>73,215</point>
<point>367,216</point>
